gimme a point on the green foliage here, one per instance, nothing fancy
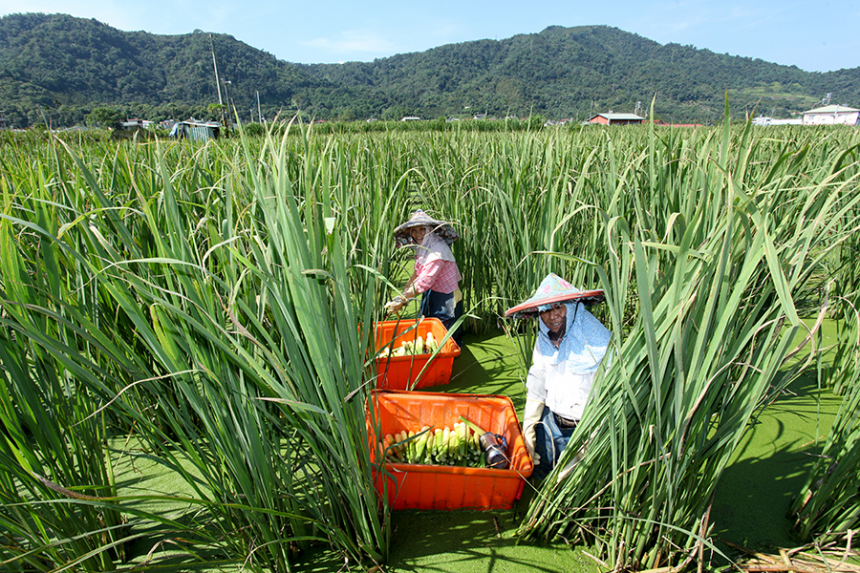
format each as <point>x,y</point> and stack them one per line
<point>258,421</point>
<point>107,117</point>
<point>58,61</point>
<point>576,72</point>
<point>435,125</point>
<point>212,303</point>
<point>254,129</point>
<point>826,506</point>
<point>714,266</point>
<point>67,66</point>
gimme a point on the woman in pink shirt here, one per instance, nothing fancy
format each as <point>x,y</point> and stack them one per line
<point>436,275</point>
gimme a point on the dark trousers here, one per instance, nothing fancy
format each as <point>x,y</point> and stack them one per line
<point>441,305</point>
<point>550,441</point>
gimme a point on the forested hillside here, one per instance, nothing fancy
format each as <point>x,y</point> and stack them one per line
<point>565,72</point>
<point>68,65</point>
<point>60,68</point>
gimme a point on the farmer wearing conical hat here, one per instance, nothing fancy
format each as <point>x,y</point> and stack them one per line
<point>571,343</point>
<point>436,275</point>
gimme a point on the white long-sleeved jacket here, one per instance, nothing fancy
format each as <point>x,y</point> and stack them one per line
<point>562,378</point>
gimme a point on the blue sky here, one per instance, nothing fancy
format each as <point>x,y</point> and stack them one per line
<point>813,36</point>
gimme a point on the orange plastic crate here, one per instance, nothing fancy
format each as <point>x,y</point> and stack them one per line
<point>402,372</point>
<point>415,486</point>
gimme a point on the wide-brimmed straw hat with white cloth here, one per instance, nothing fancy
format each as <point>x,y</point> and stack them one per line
<point>419,218</point>
<point>553,289</point>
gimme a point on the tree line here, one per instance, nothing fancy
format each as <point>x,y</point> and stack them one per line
<point>58,69</point>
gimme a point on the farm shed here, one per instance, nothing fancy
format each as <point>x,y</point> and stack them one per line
<point>616,119</point>
<point>832,115</point>
<point>196,131</point>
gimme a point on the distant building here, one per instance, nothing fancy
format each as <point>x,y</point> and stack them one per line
<point>832,115</point>
<point>136,124</point>
<point>410,118</point>
<point>616,119</point>
<point>762,120</point>
<point>196,130</point>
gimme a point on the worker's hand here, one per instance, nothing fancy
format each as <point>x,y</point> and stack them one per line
<point>395,304</point>
<point>533,413</point>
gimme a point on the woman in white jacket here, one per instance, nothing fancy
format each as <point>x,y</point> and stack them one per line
<point>570,345</point>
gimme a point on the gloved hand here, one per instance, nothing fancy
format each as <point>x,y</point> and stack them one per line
<point>532,415</point>
<point>395,304</point>
<point>571,464</point>
<point>577,458</point>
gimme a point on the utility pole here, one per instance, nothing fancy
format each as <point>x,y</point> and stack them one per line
<point>226,82</point>
<point>218,85</point>
<point>215,63</point>
<point>259,115</point>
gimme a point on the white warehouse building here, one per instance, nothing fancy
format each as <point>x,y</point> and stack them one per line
<point>832,115</point>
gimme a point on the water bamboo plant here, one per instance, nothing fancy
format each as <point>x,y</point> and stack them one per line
<point>208,308</point>
<point>716,285</point>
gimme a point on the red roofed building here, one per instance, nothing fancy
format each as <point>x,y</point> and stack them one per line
<point>616,119</point>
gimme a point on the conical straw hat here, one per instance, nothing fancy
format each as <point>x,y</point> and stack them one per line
<point>553,289</point>
<point>421,219</point>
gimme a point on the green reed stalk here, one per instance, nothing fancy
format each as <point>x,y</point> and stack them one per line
<point>51,440</point>
<point>827,507</point>
<point>250,341</point>
<point>715,286</point>
<point>214,302</point>
<point>61,507</point>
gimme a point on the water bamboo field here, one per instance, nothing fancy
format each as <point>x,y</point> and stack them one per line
<point>208,308</point>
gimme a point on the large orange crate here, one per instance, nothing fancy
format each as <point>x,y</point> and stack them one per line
<point>415,486</point>
<point>402,372</point>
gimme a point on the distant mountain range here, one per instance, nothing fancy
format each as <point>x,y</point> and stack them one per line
<point>60,67</point>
